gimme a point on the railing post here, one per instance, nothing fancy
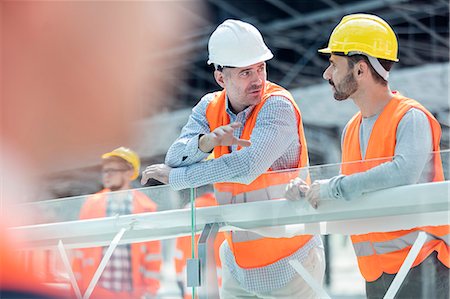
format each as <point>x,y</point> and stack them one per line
<point>209,288</point>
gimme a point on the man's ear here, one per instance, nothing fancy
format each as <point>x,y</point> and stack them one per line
<point>361,69</point>
<point>218,75</point>
<point>130,174</point>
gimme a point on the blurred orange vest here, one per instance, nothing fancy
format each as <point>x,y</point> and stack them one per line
<point>145,257</point>
<point>385,252</point>
<point>252,250</point>
<point>16,279</point>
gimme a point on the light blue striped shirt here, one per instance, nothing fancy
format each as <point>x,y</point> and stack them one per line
<point>275,144</point>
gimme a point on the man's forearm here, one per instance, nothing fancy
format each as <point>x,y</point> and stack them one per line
<point>183,153</point>
<point>206,143</point>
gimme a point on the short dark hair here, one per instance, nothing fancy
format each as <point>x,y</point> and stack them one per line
<point>386,64</point>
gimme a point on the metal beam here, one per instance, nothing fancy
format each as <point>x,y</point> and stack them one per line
<point>416,22</point>
<point>331,13</point>
<point>226,6</point>
<point>284,7</point>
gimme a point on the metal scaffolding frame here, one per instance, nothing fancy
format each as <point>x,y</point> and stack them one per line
<point>295,29</point>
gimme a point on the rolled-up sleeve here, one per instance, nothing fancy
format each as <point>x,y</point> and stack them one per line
<point>184,151</point>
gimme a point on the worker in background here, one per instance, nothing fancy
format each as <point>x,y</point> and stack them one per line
<point>252,126</point>
<point>183,250</point>
<point>133,270</point>
<point>362,50</point>
<point>70,90</point>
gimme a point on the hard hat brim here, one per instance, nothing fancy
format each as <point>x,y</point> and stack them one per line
<point>325,51</point>
<point>265,57</point>
<point>110,154</point>
<point>115,154</point>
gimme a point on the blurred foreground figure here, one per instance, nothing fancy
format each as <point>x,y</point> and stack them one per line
<point>362,50</point>
<point>133,269</point>
<point>74,78</point>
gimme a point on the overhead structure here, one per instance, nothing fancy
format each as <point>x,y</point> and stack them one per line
<point>294,30</point>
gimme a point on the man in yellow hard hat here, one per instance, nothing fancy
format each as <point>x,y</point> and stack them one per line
<point>401,134</point>
<point>133,270</point>
<point>252,126</point>
<point>119,168</point>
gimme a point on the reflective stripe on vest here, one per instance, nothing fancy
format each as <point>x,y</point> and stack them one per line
<point>371,248</point>
<point>178,254</point>
<point>149,274</point>
<point>152,257</point>
<point>88,262</point>
<point>385,252</point>
<point>79,254</point>
<point>267,193</point>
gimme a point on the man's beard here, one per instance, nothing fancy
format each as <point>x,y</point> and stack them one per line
<point>346,88</point>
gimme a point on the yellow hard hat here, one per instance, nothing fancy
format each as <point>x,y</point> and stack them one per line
<point>363,34</point>
<point>129,156</point>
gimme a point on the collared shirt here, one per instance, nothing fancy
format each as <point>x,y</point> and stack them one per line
<point>275,144</point>
<point>117,276</point>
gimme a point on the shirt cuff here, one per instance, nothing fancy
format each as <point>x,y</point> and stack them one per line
<point>194,154</point>
<point>178,178</point>
<point>324,190</point>
<point>334,187</point>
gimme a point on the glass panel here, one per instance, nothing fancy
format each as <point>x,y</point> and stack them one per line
<point>342,277</point>
<point>159,198</point>
<point>156,259</point>
<point>255,213</point>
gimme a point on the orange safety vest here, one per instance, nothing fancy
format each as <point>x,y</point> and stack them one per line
<point>145,257</point>
<point>183,246</point>
<point>250,249</point>
<point>385,252</point>
<point>17,279</point>
<point>44,262</point>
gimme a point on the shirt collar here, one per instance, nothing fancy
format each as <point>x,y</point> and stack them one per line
<point>246,112</point>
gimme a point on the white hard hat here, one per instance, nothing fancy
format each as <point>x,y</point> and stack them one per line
<point>237,44</point>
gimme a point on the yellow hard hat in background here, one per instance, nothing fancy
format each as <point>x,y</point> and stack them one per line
<point>366,34</point>
<point>129,156</point>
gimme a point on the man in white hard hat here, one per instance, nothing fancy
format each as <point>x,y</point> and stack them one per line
<point>252,126</point>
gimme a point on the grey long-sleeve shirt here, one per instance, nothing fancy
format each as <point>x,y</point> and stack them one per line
<point>412,162</point>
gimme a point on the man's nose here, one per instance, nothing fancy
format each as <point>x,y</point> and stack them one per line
<point>258,78</point>
<point>326,74</point>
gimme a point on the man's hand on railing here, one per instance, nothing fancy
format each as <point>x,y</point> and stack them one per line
<point>158,172</point>
<point>298,189</point>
